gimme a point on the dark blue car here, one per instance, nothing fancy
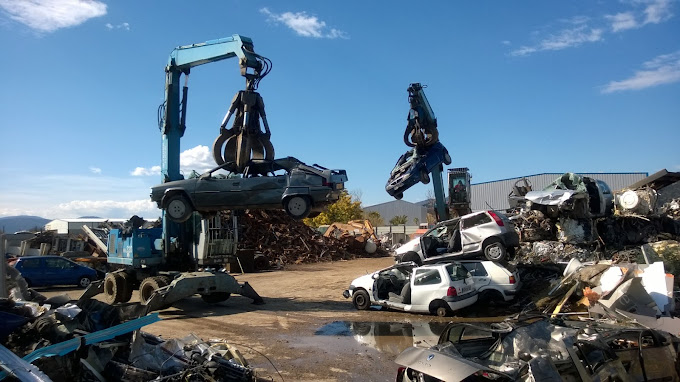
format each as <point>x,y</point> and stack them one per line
<point>415,166</point>
<point>54,270</point>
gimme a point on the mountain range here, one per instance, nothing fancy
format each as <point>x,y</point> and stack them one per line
<point>11,224</point>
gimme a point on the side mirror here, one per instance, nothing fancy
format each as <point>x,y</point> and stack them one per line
<point>375,276</point>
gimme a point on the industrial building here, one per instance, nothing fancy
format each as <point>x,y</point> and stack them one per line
<point>75,226</point>
<point>494,195</point>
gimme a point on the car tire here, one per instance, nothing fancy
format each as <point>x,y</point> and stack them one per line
<point>424,176</point>
<point>447,158</point>
<point>399,196</point>
<point>214,298</point>
<point>84,281</point>
<point>440,308</point>
<point>361,300</point>
<point>178,208</point>
<point>412,256</point>
<point>494,250</point>
<point>297,207</point>
<point>114,286</point>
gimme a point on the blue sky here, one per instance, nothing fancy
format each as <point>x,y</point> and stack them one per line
<point>518,88</point>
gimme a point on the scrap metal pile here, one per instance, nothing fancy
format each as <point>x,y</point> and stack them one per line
<point>59,340</point>
<point>287,241</point>
<point>581,218</point>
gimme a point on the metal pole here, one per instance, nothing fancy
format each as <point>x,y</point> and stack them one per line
<point>3,268</point>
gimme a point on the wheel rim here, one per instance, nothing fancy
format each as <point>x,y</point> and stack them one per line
<point>441,311</point>
<point>297,205</point>
<point>494,251</point>
<point>84,282</point>
<point>360,300</point>
<point>177,208</point>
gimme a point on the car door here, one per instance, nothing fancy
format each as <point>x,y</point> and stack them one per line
<point>426,285</point>
<point>31,269</point>
<point>215,192</point>
<point>264,190</point>
<point>60,271</point>
<point>479,274</point>
<point>474,229</point>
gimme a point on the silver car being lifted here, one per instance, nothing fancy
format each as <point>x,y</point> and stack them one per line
<point>265,184</point>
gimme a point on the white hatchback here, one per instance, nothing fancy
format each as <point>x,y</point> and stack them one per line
<point>437,289</point>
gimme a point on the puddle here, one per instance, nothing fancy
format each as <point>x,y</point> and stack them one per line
<point>386,337</point>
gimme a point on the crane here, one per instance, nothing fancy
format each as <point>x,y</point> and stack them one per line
<point>163,262</point>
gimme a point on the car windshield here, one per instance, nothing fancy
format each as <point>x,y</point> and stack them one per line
<point>457,272</point>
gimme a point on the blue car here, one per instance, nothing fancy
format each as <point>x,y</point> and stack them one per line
<point>54,270</point>
<point>415,166</point>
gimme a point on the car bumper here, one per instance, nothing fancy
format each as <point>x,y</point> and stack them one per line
<point>347,293</point>
<point>460,302</point>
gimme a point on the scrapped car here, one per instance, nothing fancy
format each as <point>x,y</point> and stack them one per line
<point>415,166</point>
<point>436,289</point>
<point>54,270</point>
<point>265,184</point>
<point>574,195</point>
<point>493,280</point>
<point>487,233</point>
<point>534,349</point>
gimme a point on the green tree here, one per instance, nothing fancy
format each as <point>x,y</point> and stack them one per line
<point>375,218</point>
<point>399,220</point>
<point>344,210</point>
<point>416,221</point>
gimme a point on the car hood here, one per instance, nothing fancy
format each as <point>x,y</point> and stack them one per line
<point>446,367</point>
<point>550,198</point>
<point>365,281</point>
<point>413,245</point>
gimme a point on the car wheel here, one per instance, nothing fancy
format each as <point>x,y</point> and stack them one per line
<point>399,196</point>
<point>149,286</point>
<point>424,176</point>
<point>442,311</point>
<point>412,256</point>
<point>114,286</point>
<point>84,281</point>
<point>298,207</point>
<point>447,158</point>
<point>178,208</point>
<point>214,298</point>
<point>361,300</point>
<point>495,251</point>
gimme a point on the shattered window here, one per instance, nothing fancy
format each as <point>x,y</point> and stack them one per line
<point>30,263</point>
<point>456,272</point>
<point>476,220</point>
<point>427,277</point>
<point>476,269</point>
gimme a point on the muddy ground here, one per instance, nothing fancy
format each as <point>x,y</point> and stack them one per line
<point>306,330</point>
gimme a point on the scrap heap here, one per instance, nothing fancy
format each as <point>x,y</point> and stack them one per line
<point>284,240</point>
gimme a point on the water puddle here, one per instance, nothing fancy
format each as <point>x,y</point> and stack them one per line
<point>386,337</point>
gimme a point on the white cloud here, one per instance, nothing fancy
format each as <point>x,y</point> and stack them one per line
<point>141,171</point>
<point>565,38</point>
<point>303,24</point>
<point>664,69</point>
<point>95,170</point>
<point>622,21</point>
<point>125,26</point>
<point>657,11</point>
<point>50,15</point>
<point>197,159</point>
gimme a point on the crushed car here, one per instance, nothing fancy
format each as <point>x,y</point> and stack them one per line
<point>487,233</point>
<point>536,349</point>
<point>574,196</point>
<point>436,289</point>
<point>415,166</point>
<point>494,281</point>
<point>264,184</point>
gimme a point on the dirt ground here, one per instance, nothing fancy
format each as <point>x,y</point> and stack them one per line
<point>306,330</point>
